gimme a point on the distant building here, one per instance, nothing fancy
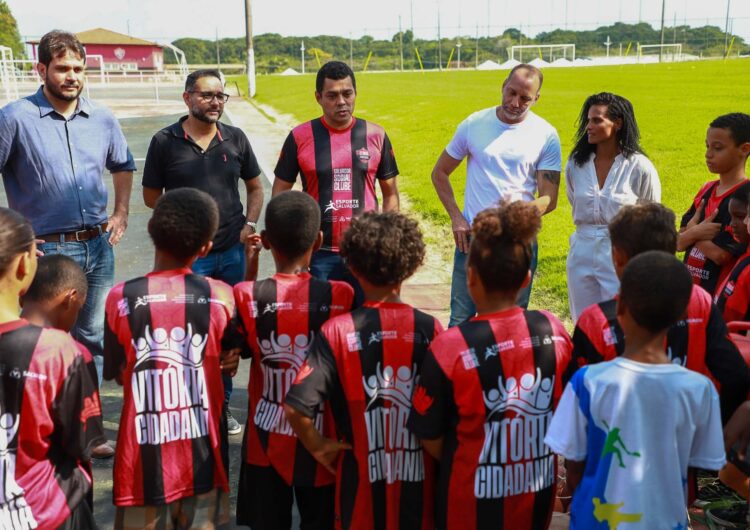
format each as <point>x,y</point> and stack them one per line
<point>118,51</point>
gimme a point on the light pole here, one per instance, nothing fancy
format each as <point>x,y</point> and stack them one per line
<point>302,52</point>
<point>458,45</point>
<point>250,50</point>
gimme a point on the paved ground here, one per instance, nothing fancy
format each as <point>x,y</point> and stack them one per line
<point>140,119</point>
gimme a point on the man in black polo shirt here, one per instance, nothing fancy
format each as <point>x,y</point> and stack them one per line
<point>200,152</point>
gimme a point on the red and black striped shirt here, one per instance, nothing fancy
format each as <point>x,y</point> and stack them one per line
<point>700,343</point>
<point>366,363</point>
<point>162,338</point>
<point>733,295</point>
<point>50,419</point>
<point>705,272</point>
<point>338,169</point>
<point>281,316</point>
<point>489,387</point>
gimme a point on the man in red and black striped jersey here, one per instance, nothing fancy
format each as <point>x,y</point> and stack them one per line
<point>280,316</point>
<point>733,295</point>
<point>488,388</point>
<point>50,414</point>
<point>163,339</point>
<point>699,342</point>
<point>339,158</point>
<point>366,365</point>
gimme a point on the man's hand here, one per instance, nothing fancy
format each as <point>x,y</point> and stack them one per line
<point>246,232</point>
<point>116,226</point>
<point>737,430</point>
<point>461,233</point>
<point>253,247</point>
<point>229,361</point>
<point>327,452</point>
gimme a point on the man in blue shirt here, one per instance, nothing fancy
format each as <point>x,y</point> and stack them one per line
<point>54,147</point>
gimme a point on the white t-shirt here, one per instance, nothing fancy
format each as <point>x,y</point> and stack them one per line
<point>503,158</point>
<point>638,427</point>
<point>629,180</point>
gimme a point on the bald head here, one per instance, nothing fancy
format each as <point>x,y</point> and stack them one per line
<point>526,74</point>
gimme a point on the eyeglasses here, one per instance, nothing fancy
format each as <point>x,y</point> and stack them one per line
<point>208,97</point>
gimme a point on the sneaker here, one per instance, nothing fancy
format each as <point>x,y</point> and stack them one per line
<point>103,451</point>
<point>731,516</point>
<point>713,490</point>
<point>233,426</point>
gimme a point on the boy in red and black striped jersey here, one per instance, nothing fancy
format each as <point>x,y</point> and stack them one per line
<point>50,414</point>
<point>705,236</point>
<point>339,158</point>
<point>489,386</point>
<point>281,315</point>
<point>366,364</point>
<point>699,342</point>
<point>164,336</point>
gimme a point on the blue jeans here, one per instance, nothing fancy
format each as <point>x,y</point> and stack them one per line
<point>328,265</point>
<point>97,260</point>
<point>229,267</point>
<point>462,306</point>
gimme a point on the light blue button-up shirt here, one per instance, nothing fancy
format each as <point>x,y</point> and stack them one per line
<point>53,167</point>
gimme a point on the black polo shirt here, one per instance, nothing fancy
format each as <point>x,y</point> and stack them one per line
<point>174,160</point>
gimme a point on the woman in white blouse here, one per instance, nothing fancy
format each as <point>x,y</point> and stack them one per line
<point>606,170</point>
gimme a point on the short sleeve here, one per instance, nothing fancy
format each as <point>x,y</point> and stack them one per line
<point>114,352</point>
<point>726,241</point>
<point>250,168</point>
<point>7,138</point>
<point>287,168</point>
<point>153,168</point>
<point>458,147</point>
<point>77,409</point>
<point>315,378</point>
<point>569,188</point>
<point>428,418</point>
<point>567,433</point>
<point>737,304</point>
<point>707,451</point>
<point>551,156</point>
<point>387,168</point>
<point>119,157</point>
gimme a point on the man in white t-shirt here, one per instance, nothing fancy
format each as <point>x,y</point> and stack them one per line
<point>513,154</point>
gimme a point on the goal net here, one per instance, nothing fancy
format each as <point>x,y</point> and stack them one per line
<point>546,52</point>
<point>659,52</point>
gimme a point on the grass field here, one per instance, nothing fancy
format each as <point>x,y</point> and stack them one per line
<point>674,104</point>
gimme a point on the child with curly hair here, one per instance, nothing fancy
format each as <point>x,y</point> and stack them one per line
<point>488,388</point>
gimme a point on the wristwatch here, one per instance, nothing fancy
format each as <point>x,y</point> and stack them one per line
<point>253,225</point>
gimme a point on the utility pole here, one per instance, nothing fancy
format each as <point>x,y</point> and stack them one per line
<point>440,48</point>
<point>640,11</point>
<point>663,5</point>
<point>351,51</point>
<point>302,51</point>
<point>608,44</point>
<point>476,51</point>
<point>401,43</point>
<point>488,18</point>
<point>458,45</point>
<point>674,28</point>
<point>218,55</point>
<point>726,31</point>
<point>250,50</point>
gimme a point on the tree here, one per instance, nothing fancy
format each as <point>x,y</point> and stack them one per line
<point>9,35</point>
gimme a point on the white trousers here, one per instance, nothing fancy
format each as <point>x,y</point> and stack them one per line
<point>591,274</point>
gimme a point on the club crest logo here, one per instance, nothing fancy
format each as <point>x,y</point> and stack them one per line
<point>395,387</point>
<point>529,395</point>
<point>282,350</point>
<point>177,348</point>
<point>120,53</point>
<point>363,154</point>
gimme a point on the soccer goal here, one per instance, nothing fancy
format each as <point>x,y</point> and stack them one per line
<point>659,52</point>
<point>547,52</point>
<point>8,74</point>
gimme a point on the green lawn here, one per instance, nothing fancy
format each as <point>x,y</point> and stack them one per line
<point>674,104</point>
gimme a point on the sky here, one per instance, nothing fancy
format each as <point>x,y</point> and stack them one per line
<point>167,20</point>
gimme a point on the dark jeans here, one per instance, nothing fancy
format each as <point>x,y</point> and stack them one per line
<point>462,306</point>
<point>328,265</point>
<point>97,260</point>
<point>228,266</point>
